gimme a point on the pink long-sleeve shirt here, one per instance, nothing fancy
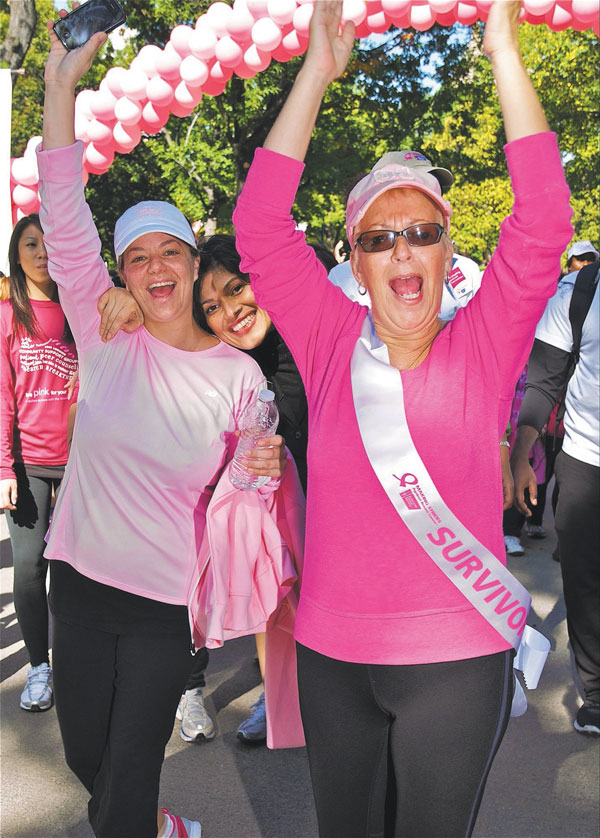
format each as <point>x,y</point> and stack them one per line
<point>34,405</point>
<point>153,422</point>
<point>370,593</point>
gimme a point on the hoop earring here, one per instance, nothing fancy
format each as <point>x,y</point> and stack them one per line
<point>362,290</point>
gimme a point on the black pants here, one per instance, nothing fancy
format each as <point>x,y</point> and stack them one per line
<point>116,697</point>
<point>578,529</point>
<point>27,525</point>
<point>402,750</point>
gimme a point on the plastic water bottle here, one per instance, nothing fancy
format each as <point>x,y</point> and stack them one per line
<point>260,419</point>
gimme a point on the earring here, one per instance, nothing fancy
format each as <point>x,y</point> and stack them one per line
<point>362,290</point>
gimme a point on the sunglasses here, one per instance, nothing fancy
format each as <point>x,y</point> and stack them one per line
<point>419,235</point>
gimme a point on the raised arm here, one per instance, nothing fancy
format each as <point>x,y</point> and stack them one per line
<point>63,72</point>
<point>521,108</point>
<point>326,59</point>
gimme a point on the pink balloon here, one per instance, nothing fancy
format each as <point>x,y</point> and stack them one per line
<point>393,8</point>
<point>187,96</point>
<point>203,40</point>
<point>153,118</point>
<point>99,132</point>
<point>281,11</point>
<point>442,6</point>
<point>303,14</point>
<point>12,180</point>
<point>266,34</point>
<point>558,18</point>
<point>228,52</point>
<point>25,198</point>
<point>281,54</point>
<point>257,8</point>
<point>168,63</point>
<point>362,30</point>
<point>256,60</point>
<point>421,17</point>
<point>586,10</point>
<point>113,80</point>
<point>378,22</point>
<point>81,127</point>
<point>98,159</point>
<point>126,137</point>
<point>446,18</point>
<point>193,71</point>
<point>538,7</point>
<point>128,111</point>
<point>218,15</point>
<point>219,73</point>
<point>24,171</point>
<point>134,83</point>
<point>31,147</point>
<point>240,23</point>
<point>374,7</point>
<point>214,87</point>
<point>180,39</point>
<point>294,44</point>
<point>83,102</point>
<point>244,71</point>
<point>159,91</point>
<point>102,105</point>
<point>146,59</point>
<point>466,13</point>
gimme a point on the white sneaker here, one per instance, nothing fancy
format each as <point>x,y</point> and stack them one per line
<point>513,545</point>
<point>178,827</point>
<point>196,724</point>
<point>37,695</point>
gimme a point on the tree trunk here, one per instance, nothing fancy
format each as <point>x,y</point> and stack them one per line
<point>21,27</point>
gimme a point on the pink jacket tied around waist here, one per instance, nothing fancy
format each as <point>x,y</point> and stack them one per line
<point>249,569</point>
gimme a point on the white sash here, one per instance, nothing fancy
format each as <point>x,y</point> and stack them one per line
<point>478,574</point>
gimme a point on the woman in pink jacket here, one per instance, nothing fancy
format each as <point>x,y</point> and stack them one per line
<point>405,638</point>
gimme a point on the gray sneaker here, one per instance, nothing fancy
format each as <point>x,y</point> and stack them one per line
<point>254,729</point>
<point>37,695</point>
<point>196,724</point>
<point>513,545</point>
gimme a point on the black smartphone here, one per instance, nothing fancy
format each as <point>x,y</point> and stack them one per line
<point>76,28</point>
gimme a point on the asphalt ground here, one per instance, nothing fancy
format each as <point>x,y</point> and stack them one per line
<point>544,782</point>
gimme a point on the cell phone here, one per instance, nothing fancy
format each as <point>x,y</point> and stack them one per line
<point>76,28</point>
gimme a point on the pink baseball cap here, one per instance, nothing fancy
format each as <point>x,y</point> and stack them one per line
<point>394,170</point>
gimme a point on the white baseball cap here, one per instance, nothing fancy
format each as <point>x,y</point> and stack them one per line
<point>579,248</point>
<point>151,217</point>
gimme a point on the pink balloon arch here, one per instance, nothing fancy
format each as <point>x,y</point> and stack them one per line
<point>242,38</point>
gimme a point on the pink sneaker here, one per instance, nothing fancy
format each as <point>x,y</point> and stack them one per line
<point>182,827</point>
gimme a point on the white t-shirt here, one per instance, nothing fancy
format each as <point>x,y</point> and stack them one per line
<point>464,281</point>
<point>582,423</point>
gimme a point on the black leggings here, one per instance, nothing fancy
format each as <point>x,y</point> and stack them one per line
<point>402,750</point>
<point>27,525</point>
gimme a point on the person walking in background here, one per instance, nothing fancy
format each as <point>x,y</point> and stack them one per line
<point>577,466</point>
<point>38,359</point>
<point>581,254</point>
<point>392,657</point>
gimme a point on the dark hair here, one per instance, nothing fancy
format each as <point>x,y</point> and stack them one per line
<point>24,318</point>
<point>216,253</point>
<point>23,315</point>
<point>590,256</point>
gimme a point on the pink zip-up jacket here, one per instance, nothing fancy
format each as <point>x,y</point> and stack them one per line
<point>370,593</point>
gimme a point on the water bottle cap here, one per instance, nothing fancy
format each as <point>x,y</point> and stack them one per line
<point>266,396</point>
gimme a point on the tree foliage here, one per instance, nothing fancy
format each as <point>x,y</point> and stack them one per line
<point>431,91</point>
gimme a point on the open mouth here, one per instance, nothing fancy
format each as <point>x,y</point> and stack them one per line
<point>243,326</point>
<point>161,290</point>
<point>408,288</point>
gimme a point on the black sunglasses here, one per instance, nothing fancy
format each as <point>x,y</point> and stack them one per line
<point>419,235</point>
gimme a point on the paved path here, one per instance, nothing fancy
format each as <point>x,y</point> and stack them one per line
<point>544,781</point>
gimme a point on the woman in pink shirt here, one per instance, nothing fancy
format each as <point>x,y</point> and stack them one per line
<point>38,359</point>
<point>405,685</point>
<point>156,419</point>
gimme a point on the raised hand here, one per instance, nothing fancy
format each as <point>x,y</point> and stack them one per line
<point>502,27</point>
<point>66,67</point>
<point>329,48</point>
